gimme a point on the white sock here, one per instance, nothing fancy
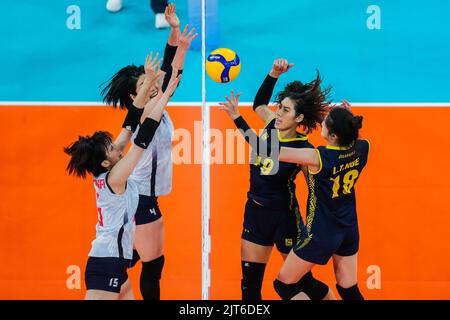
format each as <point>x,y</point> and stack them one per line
<point>114,5</point>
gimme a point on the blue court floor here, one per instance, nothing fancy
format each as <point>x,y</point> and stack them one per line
<point>407,60</point>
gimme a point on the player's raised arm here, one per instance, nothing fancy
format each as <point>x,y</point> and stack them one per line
<point>137,107</point>
<point>121,171</point>
<point>152,67</point>
<point>155,108</point>
<point>231,107</point>
<point>305,156</point>
<point>172,42</point>
<point>174,22</point>
<point>123,168</point>
<point>180,55</point>
<point>185,42</point>
<point>262,98</point>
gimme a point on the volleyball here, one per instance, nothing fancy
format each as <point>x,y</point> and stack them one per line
<point>223,65</point>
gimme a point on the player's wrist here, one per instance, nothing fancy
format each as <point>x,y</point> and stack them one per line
<point>146,133</point>
<point>274,74</point>
<point>235,116</point>
<point>132,118</point>
<point>183,46</point>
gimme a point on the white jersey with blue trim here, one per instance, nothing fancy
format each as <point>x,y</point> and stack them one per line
<point>153,173</point>
<point>115,226</point>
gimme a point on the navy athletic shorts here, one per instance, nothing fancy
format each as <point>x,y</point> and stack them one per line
<point>107,274</point>
<point>268,226</point>
<point>327,239</point>
<point>147,210</point>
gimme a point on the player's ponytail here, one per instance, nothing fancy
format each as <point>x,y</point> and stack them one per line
<point>344,125</point>
<point>119,87</point>
<point>87,154</point>
<point>309,99</point>
<point>356,122</point>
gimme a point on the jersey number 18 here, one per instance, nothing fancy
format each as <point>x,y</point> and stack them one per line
<point>348,182</point>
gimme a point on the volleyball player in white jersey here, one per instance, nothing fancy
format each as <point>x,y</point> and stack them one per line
<point>154,171</point>
<point>117,196</point>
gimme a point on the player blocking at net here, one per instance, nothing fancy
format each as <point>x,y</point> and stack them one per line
<point>117,194</point>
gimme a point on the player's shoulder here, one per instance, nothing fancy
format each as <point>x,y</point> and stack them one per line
<point>307,144</point>
<point>363,144</point>
<point>299,141</point>
<point>302,142</point>
<point>102,185</point>
<point>100,177</point>
<point>322,149</point>
<point>326,154</point>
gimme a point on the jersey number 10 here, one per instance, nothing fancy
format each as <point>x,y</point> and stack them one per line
<point>348,182</point>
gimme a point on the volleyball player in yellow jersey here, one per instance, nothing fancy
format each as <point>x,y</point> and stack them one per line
<point>272,214</point>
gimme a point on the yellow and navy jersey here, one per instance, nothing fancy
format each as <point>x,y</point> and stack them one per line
<point>332,187</point>
<point>272,182</point>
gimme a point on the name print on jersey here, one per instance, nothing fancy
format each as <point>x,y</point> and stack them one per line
<point>346,166</point>
<point>100,183</point>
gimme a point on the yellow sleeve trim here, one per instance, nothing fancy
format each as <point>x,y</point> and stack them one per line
<point>339,148</point>
<point>368,142</point>
<point>320,164</point>
<point>302,138</point>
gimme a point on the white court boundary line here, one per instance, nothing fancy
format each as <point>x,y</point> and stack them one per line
<point>82,104</point>
<point>214,104</point>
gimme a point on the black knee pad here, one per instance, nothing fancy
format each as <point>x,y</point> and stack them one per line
<point>252,278</point>
<point>351,293</point>
<point>150,276</point>
<point>313,288</point>
<point>135,259</point>
<point>286,291</point>
<point>154,268</point>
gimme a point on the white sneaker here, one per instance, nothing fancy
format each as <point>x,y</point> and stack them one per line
<point>160,21</point>
<point>114,5</point>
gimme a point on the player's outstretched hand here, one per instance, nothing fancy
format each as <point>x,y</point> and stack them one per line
<point>231,106</point>
<point>186,38</point>
<point>152,66</point>
<point>171,16</point>
<point>279,67</point>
